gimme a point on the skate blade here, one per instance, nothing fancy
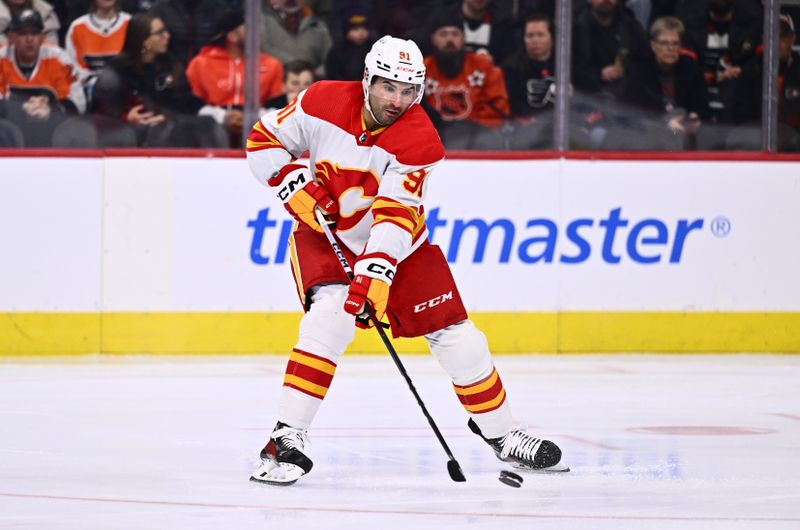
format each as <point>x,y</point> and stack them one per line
<point>561,467</point>
<point>283,474</point>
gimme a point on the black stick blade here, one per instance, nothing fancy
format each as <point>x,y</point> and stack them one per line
<point>455,471</point>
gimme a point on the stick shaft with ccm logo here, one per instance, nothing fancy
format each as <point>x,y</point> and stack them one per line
<point>453,467</point>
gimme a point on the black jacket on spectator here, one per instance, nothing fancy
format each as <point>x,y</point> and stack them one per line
<point>529,84</point>
<point>160,86</point>
<point>747,110</point>
<point>595,47</point>
<point>642,86</point>
<point>744,33</point>
<point>191,24</point>
<point>502,36</point>
<point>748,101</point>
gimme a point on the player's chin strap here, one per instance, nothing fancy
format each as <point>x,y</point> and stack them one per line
<point>453,468</point>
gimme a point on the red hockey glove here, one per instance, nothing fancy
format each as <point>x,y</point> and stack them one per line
<point>369,290</point>
<point>300,194</point>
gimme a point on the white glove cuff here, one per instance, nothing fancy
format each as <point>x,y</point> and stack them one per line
<point>376,267</point>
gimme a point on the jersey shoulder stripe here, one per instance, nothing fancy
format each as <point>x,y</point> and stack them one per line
<point>413,139</point>
<point>260,138</point>
<point>336,102</point>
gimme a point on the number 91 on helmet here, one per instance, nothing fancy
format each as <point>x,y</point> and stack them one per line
<point>400,62</point>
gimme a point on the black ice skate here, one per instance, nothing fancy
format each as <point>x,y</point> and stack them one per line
<point>523,451</point>
<point>282,459</point>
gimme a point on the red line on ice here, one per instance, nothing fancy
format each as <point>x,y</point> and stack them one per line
<point>401,512</point>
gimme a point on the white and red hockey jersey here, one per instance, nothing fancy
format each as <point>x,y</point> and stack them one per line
<point>378,178</point>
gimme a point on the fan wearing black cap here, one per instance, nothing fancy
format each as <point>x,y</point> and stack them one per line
<point>51,24</point>
<point>38,80</point>
<point>465,93</point>
<point>216,75</point>
<point>345,61</point>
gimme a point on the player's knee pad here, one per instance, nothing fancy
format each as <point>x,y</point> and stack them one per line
<point>327,329</point>
<point>462,350</point>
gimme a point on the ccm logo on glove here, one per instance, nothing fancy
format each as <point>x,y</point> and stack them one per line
<point>373,276</point>
<point>301,195</point>
<point>292,184</point>
<point>381,271</point>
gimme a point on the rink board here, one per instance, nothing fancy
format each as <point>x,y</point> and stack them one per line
<point>170,255</point>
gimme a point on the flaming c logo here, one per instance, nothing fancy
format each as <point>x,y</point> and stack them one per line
<point>353,188</point>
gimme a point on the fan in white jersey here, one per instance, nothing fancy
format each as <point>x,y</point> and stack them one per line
<point>371,151</point>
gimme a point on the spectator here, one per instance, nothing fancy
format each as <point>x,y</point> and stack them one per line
<point>191,24</point>
<point>605,39</point>
<point>217,76</point>
<point>465,94</point>
<point>145,87</point>
<point>529,77</point>
<point>45,10</point>
<point>544,7</point>
<point>95,37</point>
<point>747,108</point>
<point>38,81</point>
<point>668,86</point>
<point>484,31</point>
<point>402,18</point>
<point>297,76</point>
<point>291,31</point>
<point>724,35</point>
<point>345,61</point>
<point>75,9</point>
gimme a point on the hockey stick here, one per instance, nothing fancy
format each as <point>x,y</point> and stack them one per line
<point>453,468</point>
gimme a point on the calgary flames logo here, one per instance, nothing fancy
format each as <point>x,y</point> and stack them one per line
<point>353,188</point>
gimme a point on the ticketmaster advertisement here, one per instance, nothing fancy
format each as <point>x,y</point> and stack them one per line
<point>566,255</point>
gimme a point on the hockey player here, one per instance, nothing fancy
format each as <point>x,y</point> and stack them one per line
<point>371,150</point>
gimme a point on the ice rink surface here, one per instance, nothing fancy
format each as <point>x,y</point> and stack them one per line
<point>654,442</point>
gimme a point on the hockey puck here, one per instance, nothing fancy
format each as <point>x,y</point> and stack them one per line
<point>510,479</point>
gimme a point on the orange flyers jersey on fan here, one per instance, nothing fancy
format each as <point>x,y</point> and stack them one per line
<point>91,42</point>
<point>54,75</point>
<point>379,178</point>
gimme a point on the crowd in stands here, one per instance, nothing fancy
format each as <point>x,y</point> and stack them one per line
<point>645,74</point>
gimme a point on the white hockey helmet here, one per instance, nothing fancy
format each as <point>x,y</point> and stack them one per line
<point>397,60</point>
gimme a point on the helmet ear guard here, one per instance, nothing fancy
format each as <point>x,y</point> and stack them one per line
<point>397,60</point>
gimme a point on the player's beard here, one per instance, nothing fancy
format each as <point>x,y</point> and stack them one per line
<point>450,62</point>
<point>388,119</point>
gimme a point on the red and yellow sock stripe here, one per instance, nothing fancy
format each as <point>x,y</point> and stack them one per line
<point>309,373</point>
<point>484,396</point>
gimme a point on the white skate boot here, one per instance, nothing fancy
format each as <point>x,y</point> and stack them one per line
<point>283,460</point>
<point>523,451</point>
